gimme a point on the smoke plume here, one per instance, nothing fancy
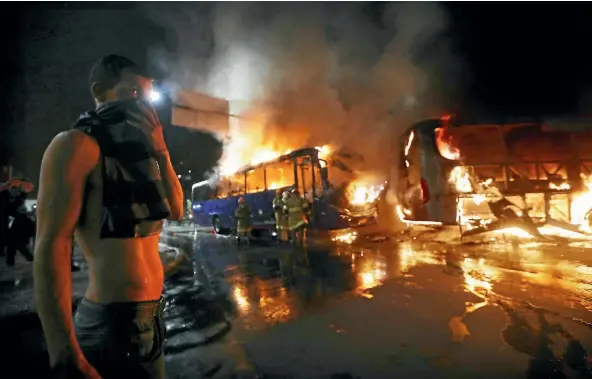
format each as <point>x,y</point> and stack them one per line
<point>305,74</point>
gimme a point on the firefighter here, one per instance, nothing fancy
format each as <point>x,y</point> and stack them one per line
<point>243,221</point>
<point>278,208</point>
<point>285,223</point>
<point>296,207</point>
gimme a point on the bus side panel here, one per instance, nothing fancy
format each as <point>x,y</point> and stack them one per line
<point>326,217</point>
<point>225,209</point>
<point>205,211</point>
<point>441,205</point>
<point>200,217</point>
<point>261,205</point>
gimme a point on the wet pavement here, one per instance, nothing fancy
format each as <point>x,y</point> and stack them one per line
<point>403,306</point>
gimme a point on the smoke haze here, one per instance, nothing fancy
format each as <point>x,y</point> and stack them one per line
<point>315,73</point>
<point>307,74</point>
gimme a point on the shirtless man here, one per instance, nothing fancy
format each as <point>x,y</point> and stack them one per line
<point>118,330</point>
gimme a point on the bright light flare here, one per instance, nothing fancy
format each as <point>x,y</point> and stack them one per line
<point>155,96</point>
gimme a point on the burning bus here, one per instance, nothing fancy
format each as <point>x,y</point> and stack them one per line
<point>334,207</point>
<point>525,177</point>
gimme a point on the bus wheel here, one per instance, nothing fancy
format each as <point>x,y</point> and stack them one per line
<point>216,224</point>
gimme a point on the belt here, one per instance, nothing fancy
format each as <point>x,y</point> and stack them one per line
<point>154,307</point>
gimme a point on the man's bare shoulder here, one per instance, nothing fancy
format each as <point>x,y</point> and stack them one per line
<point>73,147</point>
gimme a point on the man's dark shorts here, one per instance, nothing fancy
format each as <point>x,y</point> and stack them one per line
<point>122,340</point>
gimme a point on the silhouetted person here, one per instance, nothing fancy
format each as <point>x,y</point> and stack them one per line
<point>20,231</point>
<point>4,219</point>
<point>110,181</point>
<point>8,206</point>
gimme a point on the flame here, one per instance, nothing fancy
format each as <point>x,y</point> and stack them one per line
<point>445,146</point>
<point>231,163</point>
<point>247,150</point>
<point>461,179</point>
<point>324,151</point>
<point>581,205</point>
<point>473,193</point>
<point>360,192</point>
<point>249,144</point>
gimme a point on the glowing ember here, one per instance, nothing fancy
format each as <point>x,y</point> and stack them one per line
<point>347,238</point>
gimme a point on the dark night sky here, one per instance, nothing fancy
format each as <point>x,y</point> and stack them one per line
<point>523,58</point>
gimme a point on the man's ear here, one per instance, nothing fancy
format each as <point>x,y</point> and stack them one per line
<point>98,92</point>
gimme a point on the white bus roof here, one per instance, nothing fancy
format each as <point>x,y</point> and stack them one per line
<point>194,186</point>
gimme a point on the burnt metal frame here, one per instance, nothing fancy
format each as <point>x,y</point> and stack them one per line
<point>584,167</point>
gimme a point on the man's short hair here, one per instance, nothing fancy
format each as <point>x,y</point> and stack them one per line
<point>108,69</point>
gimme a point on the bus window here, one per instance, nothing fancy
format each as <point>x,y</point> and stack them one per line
<point>237,184</point>
<point>256,180</point>
<point>305,178</point>
<point>220,190</point>
<point>280,174</point>
<point>203,192</point>
<point>198,193</point>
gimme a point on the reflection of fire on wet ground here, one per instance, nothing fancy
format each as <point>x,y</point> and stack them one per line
<point>552,349</point>
<point>347,237</point>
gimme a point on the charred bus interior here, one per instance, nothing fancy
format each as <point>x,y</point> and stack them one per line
<point>531,175</point>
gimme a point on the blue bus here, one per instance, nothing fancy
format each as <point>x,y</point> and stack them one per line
<point>214,202</point>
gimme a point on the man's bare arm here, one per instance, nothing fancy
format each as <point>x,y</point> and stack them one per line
<point>66,165</point>
<point>171,184</point>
